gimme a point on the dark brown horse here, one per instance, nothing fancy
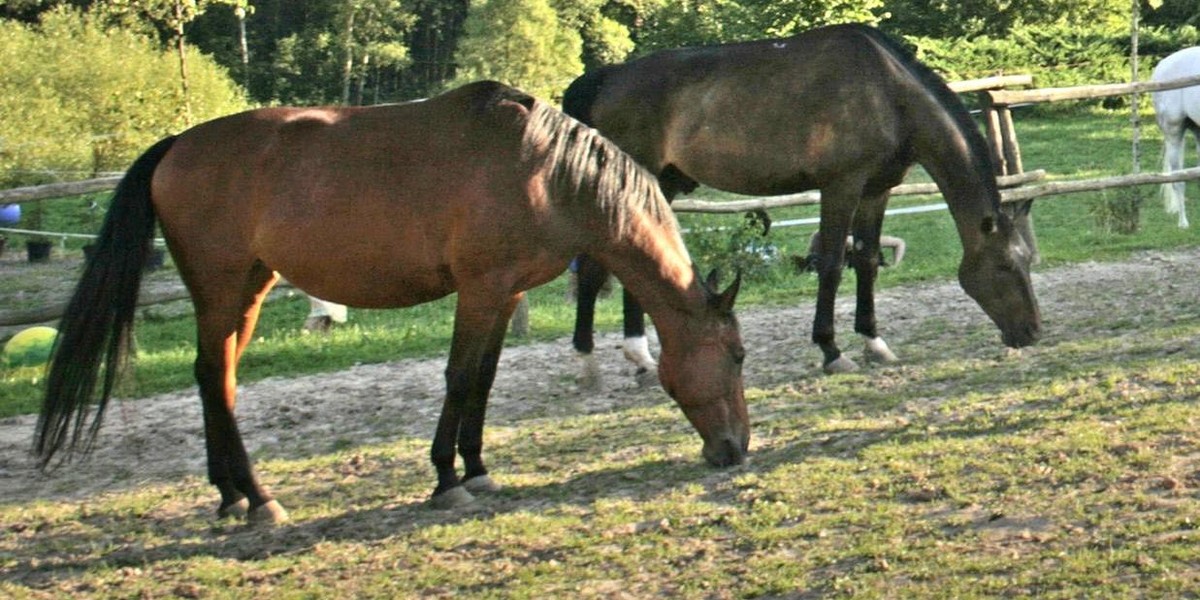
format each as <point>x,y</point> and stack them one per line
<point>842,109</point>
<point>483,191</point>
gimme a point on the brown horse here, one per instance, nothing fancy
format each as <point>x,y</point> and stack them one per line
<point>842,109</point>
<point>483,191</point>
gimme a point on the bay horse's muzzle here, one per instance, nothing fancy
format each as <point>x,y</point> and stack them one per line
<point>726,451</point>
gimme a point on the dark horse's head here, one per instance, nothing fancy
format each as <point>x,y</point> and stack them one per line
<point>701,368</point>
<point>995,272</point>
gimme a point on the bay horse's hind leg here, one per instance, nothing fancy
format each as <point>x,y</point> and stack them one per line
<point>868,227</point>
<point>480,322</point>
<point>226,314</point>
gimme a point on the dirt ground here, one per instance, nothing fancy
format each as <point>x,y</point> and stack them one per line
<point>160,438</point>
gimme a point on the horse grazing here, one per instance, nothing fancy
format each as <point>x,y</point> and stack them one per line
<point>483,191</point>
<point>843,109</point>
<point>1177,113</point>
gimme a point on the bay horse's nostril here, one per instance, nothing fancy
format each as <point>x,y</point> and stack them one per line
<point>725,453</point>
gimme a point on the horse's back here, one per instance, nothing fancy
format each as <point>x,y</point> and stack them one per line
<point>363,206</point>
<point>701,109</point>
<point>1174,108</point>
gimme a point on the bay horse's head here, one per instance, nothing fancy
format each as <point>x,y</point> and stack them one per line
<point>995,272</point>
<point>701,368</point>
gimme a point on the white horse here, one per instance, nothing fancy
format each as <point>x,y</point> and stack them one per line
<point>1177,112</point>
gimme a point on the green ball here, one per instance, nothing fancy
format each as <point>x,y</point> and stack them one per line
<point>29,348</point>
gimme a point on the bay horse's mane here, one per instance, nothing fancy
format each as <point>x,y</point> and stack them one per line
<point>584,166</point>
<point>981,157</point>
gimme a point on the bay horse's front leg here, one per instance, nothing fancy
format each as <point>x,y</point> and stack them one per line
<point>479,328</point>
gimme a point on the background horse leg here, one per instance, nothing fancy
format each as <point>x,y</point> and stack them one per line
<point>591,277</point>
<point>1173,150</point>
<point>225,323</point>
<point>636,347</point>
<point>480,323</point>
<point>868,227</point>
<point>837,210</point>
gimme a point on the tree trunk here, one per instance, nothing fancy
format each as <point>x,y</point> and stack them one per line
<point>348,63</point>
<point>180,48</point>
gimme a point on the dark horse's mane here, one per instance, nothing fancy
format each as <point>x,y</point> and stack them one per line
<point>981,157</point>
<point>584,166</point>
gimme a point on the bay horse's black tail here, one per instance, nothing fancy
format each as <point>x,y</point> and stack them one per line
<point>95,333</point>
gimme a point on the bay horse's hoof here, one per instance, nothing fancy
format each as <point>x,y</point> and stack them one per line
<point>841,365</point>
<point>589,373</point>
<point>236,510</point>
<point>878,351</point>
<point>646,378</point>
<point>455,497</point>
<point>481,484</point>
<point>269,514</point>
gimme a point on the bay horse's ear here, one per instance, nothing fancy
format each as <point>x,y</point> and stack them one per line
<point>713,281</point>
<point>724,301</point>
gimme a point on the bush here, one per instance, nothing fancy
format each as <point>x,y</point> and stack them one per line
<point>77,96</point>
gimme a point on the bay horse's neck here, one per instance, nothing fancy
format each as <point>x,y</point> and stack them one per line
<point>652,262</point>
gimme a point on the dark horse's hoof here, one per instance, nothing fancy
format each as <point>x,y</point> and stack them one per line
<point>235,510</point>
<point>841,365</point>
<point>455,497</point>
<point>481,484</point>
<point>267,515</point>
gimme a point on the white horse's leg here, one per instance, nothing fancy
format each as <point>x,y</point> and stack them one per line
<point>1173,198</point>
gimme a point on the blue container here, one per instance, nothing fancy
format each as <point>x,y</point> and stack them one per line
<point>10,213</point>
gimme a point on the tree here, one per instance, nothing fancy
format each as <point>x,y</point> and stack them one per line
<point>699,22</point>
<point>172,16</point>
<point>78,96</point>
<point>521,43</point>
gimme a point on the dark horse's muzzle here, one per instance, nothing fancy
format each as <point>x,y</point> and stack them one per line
<point>1022,335</point>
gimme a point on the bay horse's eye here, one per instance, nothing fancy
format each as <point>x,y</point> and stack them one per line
<point>739,355</point>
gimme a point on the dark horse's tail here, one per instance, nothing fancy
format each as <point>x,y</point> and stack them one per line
<point>96,331</point>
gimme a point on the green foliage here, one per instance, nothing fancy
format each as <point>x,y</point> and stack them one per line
<point>742,247</point>
<point>700,22</point>
<point>81,97</point>
<point>521,43</point>
<point>998,18</point>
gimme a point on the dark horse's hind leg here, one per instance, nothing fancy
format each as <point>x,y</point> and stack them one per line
<point>226,323</point>
<point>591,277</point>
<point>479,326</point>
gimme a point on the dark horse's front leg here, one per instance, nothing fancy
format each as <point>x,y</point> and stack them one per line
<point>591,277</point>
<point>867,218</point>
<point>479,328</point>
<point>866,258</point>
